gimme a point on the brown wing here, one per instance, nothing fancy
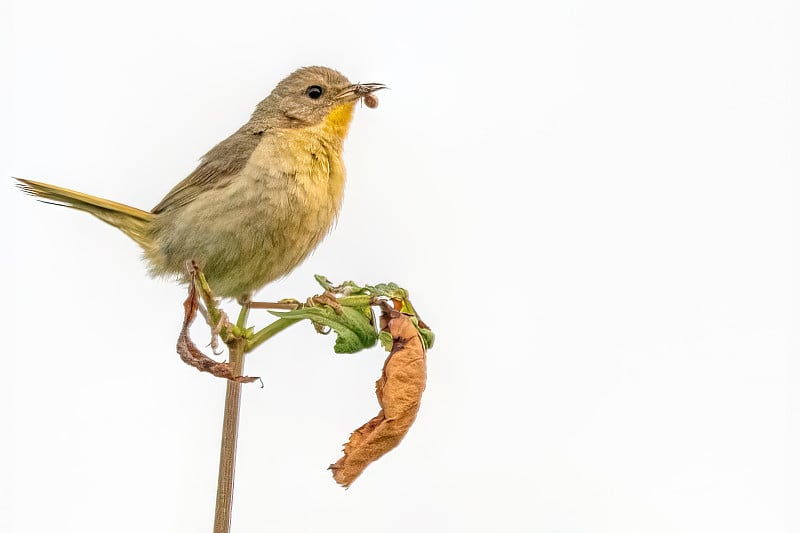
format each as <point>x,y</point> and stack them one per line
<point>218,168</point>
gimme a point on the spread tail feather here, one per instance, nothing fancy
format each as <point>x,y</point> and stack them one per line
<point>131,221</point>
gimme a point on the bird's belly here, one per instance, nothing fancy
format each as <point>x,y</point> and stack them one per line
<point>251,232</point>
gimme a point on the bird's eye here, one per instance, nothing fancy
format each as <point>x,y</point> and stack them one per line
<point>314,92</point>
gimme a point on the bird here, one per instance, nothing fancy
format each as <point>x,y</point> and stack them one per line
<point>258,202</point>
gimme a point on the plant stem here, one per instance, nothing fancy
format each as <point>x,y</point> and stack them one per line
<point>237,345</point>
<point>270,330</point>
<point>241,322</point>
<point>230,434</point>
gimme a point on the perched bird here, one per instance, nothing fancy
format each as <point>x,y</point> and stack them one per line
<point>259,202</point>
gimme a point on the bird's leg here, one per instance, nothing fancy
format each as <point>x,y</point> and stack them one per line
<point>215,331</point>
<point>211,308</point>
<point>204,312</point>
<point>189,353</point>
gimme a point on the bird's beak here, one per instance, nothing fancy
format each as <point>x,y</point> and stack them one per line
<point>359,90</point>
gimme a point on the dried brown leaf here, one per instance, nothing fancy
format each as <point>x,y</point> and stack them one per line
<point>190,354</point>
<point>399,391</point>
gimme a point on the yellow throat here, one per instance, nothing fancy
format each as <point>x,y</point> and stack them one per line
<point>338,120</point>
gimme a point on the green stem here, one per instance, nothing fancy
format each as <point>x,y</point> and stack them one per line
<point>268,332</point>
<point>241,322</point>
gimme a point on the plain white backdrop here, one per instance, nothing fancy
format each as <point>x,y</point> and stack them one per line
<point>593,204</point>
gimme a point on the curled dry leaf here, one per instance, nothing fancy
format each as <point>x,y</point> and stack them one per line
<point>190,354</point>
<point>399,391</point>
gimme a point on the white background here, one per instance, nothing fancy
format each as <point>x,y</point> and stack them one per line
<point>594,205</point>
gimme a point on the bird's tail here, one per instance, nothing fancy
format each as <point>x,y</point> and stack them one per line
<point>135,223</point>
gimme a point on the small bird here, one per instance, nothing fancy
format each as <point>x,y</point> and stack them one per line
<point>259,202</point>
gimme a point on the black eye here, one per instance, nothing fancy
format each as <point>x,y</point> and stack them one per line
<point>314,92</point>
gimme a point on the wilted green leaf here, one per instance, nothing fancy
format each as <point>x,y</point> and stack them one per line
<point>353,326</point>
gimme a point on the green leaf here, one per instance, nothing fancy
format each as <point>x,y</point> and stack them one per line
<point>353,326</point>
<point>386,340</point>
<point>427,337</point>
<point>388,290</point>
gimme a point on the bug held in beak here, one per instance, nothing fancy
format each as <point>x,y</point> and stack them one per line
<point>359,90</point>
